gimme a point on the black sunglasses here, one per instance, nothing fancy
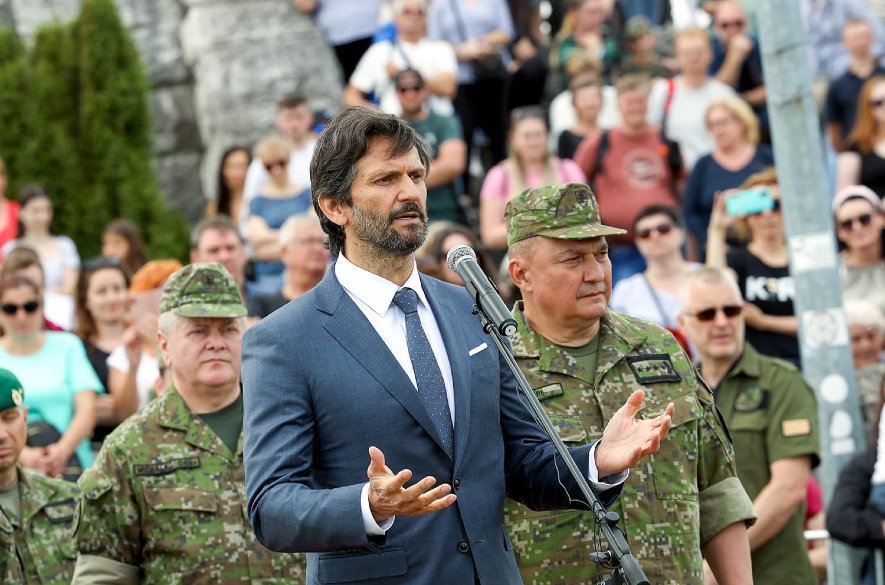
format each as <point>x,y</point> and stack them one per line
<point>864,219</point>
<point>277,163</point>
<point>30,307</point>
<point>730,311</point>
<point>663,229</point>
<point>415,88</point>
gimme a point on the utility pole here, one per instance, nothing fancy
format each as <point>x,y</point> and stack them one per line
<point>823,331</point>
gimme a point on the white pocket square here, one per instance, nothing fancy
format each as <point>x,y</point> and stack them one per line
<point>477,349</point>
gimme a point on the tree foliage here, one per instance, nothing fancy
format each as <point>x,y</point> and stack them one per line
<point>85,130</point>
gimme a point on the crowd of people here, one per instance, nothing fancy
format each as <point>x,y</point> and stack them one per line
<point>610,162</point>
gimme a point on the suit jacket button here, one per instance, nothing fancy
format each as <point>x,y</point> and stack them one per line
<point>463,546</point>
<point>457,484</point>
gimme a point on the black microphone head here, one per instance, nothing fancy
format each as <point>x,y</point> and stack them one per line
<point>456,253</point>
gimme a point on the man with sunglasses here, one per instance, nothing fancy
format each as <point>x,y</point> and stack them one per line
<point>583,359</point>
<point>448,151</point>
<point>772,416</point>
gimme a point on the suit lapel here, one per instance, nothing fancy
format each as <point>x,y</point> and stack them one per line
<point>449,323</point>
<point>350,328</point>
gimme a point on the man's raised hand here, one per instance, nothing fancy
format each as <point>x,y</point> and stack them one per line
<point>389,497</point>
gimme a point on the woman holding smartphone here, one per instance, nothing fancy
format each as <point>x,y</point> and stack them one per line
<point>762,266</point>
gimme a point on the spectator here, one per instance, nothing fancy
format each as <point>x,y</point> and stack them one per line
<point>865,328</point>
<point>860,162</point>
<point>586,95</point>
<point>762,269</point>
<point>737,60</point>
<point>61,384</point>
<point>641,57</point>
<point>217,239</point>
<point>479,32</point>
<point>448,152</point>
<point>589,32</point>
<point>562,110</point>
<point>652,294</point>
<point>679,105</point>
<point>102,311</point>
<point>8,211</point>
<point>38,512</point>
<point>58,310</point>
<point>841,105</point>
<point>772,417</point>
<point>859,223</point>
<point>529,68</point>
<point>122,240</point>
<point>630,167</point>
<point>231,183</point>
<point>294,121</point>
<point>853,518</point>
<point>348,26</point>
<point>737,155</point>
<point>442,236</point>
<point>824,22</point>
<point>374,81</point>
<point>278,201</point>
<point>305,258</point>
<point>133,365</point>
<point>58,254</point>
<point>529,165</point>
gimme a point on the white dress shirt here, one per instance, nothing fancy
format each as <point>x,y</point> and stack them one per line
<point>374,297</point>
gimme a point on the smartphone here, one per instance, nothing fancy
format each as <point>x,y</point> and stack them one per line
<point>749,201</point>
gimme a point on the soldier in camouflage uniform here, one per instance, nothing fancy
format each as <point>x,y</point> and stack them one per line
<point>165,500</point>
<point>584,360</point>
<point>37,511</point>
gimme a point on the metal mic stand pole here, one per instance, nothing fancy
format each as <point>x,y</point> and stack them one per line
<point>625,567</point>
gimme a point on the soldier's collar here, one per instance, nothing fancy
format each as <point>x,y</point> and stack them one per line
<point>173,413</point>
<point>746,365</point>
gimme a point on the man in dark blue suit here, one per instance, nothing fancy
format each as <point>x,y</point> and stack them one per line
<point>379,366</point>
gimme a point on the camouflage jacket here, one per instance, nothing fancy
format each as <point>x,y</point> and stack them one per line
<point>38,547</point>
<point>165,495</point>
<point>674,501</point>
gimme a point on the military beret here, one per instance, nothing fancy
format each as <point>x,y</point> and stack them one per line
<point>11,392</point>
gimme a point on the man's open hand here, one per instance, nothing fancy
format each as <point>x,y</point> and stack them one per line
<point>388,497</point>
<point>625,439</point>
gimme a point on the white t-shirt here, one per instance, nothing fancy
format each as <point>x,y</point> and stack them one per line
<point>145,376</point>
<point>429,58</point>
<point>563,117</point>
<point>685,122</point>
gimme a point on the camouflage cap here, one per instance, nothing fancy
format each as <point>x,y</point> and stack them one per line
<point>567,212</point>
<point>202,290</point>
<point>11,392</point>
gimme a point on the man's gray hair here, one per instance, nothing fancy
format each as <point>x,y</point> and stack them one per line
<point>168,321</point>
<point>295,224</point>
<point>398,5</point>
<point>707,275</point>
<point>865,313</point>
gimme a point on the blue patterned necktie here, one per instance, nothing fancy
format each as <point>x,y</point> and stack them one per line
<point>431,387</point>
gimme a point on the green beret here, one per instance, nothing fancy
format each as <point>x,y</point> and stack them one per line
<point>11,392</point>
<point>567,212</point>
<point>202,290</point>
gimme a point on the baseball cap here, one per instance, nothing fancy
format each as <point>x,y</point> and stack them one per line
<point>568,212</point>
<point>203,289</point>
<point>11,392</point>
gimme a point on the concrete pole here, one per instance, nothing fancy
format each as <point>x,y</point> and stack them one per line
<point>823,333</point>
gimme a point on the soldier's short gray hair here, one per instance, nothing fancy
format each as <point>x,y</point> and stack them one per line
<point>707,275</point>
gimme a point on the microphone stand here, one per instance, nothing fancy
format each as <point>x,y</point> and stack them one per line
<point>624,566</point>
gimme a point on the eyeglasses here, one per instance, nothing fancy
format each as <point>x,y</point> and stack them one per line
<point>730,311</point>
<point>276,163</point>
<point>414,88</point>
<point>775,207</point>
<point>663,229</point>
<point>877,103</point>
<point>739,23</point>
<point>864,219</point>
<point>30,307</point>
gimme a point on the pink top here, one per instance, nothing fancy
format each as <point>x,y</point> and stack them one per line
<point>495,186</point>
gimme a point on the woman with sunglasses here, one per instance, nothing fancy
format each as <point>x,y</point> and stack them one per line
<point>651,295</point>
<point>530,164</point>
<point>862,160</point>
<point>61,383</point>
<point>102,300</point>
<point>857,211</point>
<point>761,267</point>
<point>269,210</point>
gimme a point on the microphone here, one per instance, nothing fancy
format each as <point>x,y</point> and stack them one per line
<point>461,259</point>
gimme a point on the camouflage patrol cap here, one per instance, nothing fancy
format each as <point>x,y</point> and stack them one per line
<point>204,289</point>
<point>567,212</point>
<point>11,392</point>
